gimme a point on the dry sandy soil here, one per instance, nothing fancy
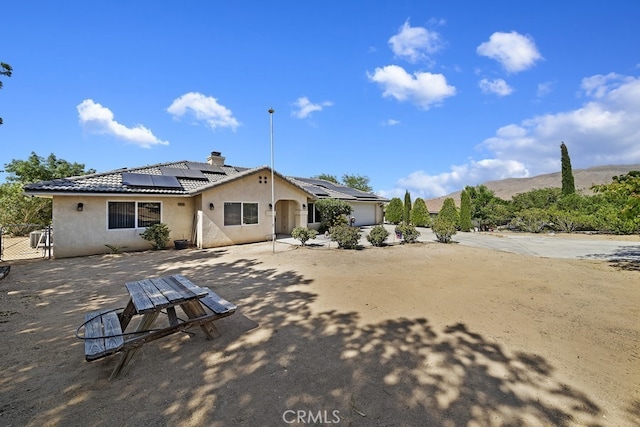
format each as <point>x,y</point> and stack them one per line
<point>405,335</point>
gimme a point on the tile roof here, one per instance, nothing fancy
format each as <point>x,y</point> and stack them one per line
<point>193,183</point>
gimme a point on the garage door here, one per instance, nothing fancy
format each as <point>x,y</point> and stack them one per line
<point>364,213</point>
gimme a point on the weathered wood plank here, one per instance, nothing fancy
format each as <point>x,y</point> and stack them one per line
<point>168,291</point>
<point>216,303</point>
<point>157,299</point>
<point>103,335</point>
<point>197,290</point>
<point>139,297</point>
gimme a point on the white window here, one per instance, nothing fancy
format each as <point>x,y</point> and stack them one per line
<point>236,213</point>
<point>313,214</point>
<point>122,215</point>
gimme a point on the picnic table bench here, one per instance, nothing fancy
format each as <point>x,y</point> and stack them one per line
<point>105,331</point>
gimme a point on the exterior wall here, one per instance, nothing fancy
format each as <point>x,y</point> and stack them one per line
<point>255,188</point>
<point>79,233</point>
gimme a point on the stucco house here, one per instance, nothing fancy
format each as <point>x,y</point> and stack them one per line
<point>211,204</point>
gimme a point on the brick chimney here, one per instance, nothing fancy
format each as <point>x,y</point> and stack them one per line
<point>216,158</point>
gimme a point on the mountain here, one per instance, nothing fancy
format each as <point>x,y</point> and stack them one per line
<point>507,188</point>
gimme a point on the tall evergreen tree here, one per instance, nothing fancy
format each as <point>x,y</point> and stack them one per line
<point>420,213</point>
<point>465,211</point>
<point>407,207</point>
<point>568,184</point>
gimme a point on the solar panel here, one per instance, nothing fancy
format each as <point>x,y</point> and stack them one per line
<point>205,167</point>
<point>137,179</point>
<point>184,173</point>
<point>164,181</point>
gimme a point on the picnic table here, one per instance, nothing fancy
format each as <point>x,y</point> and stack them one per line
<point>106,331</point>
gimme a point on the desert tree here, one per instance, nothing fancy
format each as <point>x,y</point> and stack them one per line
<point>359,182</point>
<point>327,177</point>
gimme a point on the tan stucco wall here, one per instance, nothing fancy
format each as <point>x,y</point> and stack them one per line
<point>253,189</point>
<point>85,233</point>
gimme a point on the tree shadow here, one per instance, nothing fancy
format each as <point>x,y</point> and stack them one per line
<point>623,258</point>
<point>396,372</point>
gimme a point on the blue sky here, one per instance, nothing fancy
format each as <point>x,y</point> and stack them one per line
<point>425,96</point>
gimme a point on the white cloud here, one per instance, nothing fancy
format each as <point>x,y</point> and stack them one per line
<point>513,51</point>
<point>391,122</point>
<point>205,109</point>
<point>422,89</point>
<point>604,130</point>
<point>98,119</point>
<point>415,43</point>
<point>306,107</point>
<point>497,87</point>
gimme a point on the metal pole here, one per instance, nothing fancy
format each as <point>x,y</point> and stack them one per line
<point>273,202</point>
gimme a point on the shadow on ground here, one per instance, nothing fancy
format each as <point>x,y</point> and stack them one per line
<point>275,355</point>
<point>624,258</point>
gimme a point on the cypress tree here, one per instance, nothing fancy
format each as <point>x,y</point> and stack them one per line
<point>568,184</point>
<point>419,213</point>
<point>465,211</point>
<point>407,207</point>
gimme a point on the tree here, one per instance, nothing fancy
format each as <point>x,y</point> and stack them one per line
<point>465,211</point>
<point>568,184</point>
<point>449,211</point>
<point>394,211</point>
<point>37,168</point>
<point>487,210</point>
<point>420,213</point>
<point>15,208</point>
<point>358,182</point>
<point>407,207</point>
<point>333,212</point>
<point>5,70</point>
<point>327,177</point>
<point>624,191</point>
<point>446,223</point>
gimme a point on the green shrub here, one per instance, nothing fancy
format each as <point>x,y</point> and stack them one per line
<point>303,234</point>
<point>394,211</point>
<point>532,220</point>
<point>409,232</point>
<point>377,235</point>
<point>158,235</point>
<point>449,211</point>
<point>332,212</point>
<point>420,214</point>
<point>444,229</point>
<point>347,237</point>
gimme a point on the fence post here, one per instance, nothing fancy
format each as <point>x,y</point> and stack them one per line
<point>1,247</point>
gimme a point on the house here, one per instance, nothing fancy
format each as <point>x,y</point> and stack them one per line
<point>209,203</point>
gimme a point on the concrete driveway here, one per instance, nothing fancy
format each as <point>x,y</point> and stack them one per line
<point>543,245</point>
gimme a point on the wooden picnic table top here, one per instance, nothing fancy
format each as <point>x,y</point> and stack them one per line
<point>154,294</point>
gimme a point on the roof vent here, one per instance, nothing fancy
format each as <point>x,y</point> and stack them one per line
<point>216,158</point>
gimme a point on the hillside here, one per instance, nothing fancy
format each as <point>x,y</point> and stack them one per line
<point>507,188</point>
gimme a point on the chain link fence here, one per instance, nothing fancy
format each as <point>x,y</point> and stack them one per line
<point>25,241</point>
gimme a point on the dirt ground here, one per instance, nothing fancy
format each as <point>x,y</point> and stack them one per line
<point>405,335</point>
